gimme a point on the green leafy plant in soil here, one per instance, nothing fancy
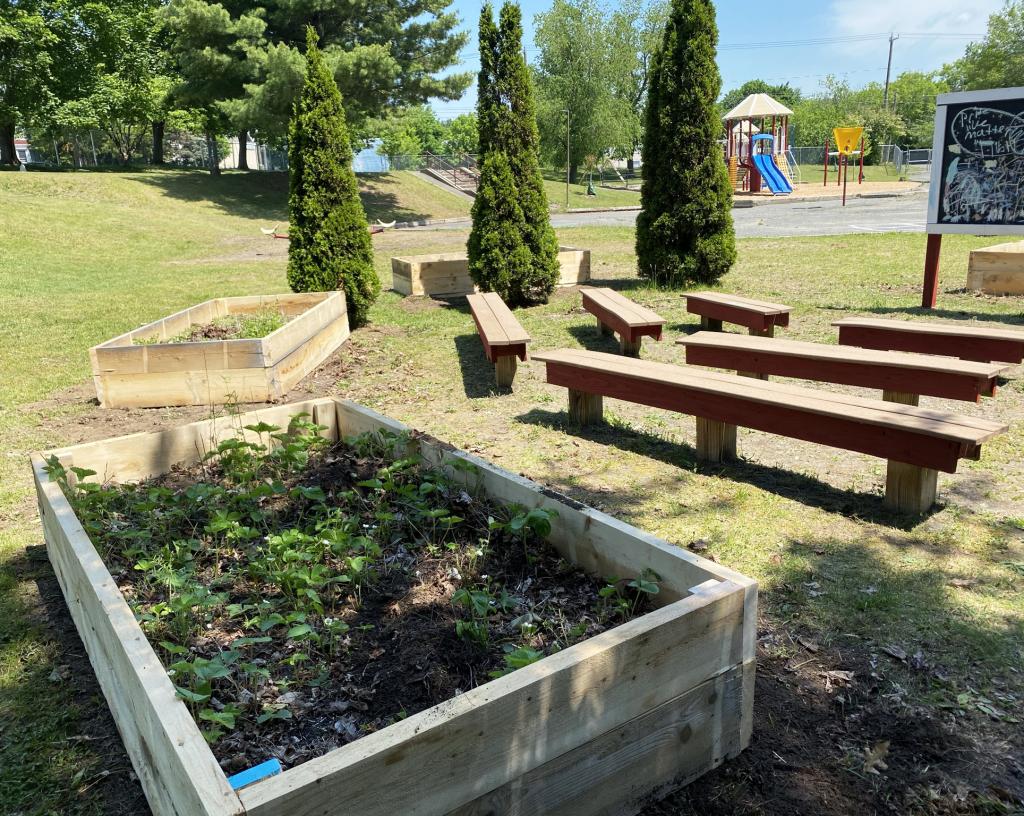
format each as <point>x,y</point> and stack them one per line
<point>231,327</point>
<point>304,593</point>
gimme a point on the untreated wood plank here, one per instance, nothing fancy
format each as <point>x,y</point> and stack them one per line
<point>615,773</point>
<point>585,408</point>
<point>175,766</point>
<point>910,489</point>
<point>505,370</point>
<point>716,441</point>
<point>432,763</point>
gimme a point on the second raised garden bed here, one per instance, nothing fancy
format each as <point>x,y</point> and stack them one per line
<point>602,726</point>
<point>447,274</point>
<point>150,367</point>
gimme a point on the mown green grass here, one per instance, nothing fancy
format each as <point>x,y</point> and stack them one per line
<point>578,198</point>
<point>85,257</point>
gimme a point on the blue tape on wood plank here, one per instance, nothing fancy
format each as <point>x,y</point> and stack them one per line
<point>254,774</point>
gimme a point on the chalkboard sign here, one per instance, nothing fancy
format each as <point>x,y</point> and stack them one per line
<point>977,183</point>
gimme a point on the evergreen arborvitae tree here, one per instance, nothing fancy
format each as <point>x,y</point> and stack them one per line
<point>508,132</point>
<point>329,244</point>
<point>501,253</point>
<point>684,232</point>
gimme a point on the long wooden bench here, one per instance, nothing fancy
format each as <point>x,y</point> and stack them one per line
<point>759,316</point>
<point>916,442</point>
<point>503,338</point>
<point>973,342</point>
<point>615,313</point>
<point>902,377</point>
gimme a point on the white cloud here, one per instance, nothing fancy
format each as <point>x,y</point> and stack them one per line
<point>911,16</point>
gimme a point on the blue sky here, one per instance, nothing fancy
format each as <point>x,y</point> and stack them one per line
<point>933,32</point>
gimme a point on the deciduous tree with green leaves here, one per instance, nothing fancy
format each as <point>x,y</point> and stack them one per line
<point>998,60</point>
<point>684,232</point>
<point>329,245</point>
<point>507,125</point>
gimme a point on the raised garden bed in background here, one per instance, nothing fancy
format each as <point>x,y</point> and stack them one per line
<point>600,727</point>
<point>148,368</point>
<point>447,274</point>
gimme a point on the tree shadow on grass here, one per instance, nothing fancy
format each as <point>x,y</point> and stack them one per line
<point>477,371</point>
<point>590,337</point>
<point>789,484</point>
<point>259,195</point>
<point>828,692</point>
<point>379,194</point>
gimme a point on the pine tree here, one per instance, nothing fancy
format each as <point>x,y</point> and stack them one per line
<point>508,132</point>
<point>329,244</point>
<point>684,232</point>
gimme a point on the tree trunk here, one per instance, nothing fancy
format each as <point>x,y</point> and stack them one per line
<point>243,150</point>
<point>573,173</point>
<point>8,153</point>
<point>158,143</point>
<point>212,159</point>
<point>630,166</point>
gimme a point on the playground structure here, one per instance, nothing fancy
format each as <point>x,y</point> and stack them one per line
<point>756,153</point>
<point>849,142</point>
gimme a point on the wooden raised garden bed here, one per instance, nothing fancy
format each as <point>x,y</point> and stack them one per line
<point>447,274</point>
<point>142,369</point>
<point>997,270</point>
<point>602,726</point>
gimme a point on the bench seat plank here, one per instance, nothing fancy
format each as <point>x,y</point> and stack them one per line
<point>502,336</point>
<point>972,342</point>
<point>888,370</point>
<point>928,439</point>
<point>756,315</point>
<point>629,320</point>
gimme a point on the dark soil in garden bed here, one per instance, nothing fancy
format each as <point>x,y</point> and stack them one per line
<point>303,600</point>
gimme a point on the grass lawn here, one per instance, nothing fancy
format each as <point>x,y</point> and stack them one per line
<point>554,186</point>
<point>812,173</point>
<point>844,585</point>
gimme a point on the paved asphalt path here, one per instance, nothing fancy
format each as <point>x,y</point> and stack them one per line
<point>904,213</point>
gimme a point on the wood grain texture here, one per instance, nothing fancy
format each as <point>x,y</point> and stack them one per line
<point>756,315</point>
<point>973,342</point>
<point>945,377</point>
<point>434,761</point>
<point>910,489</point>
<point>716,441</point>
<point>175,766</point>
<point>626,768</point>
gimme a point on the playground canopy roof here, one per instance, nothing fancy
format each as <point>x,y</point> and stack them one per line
<point>757,105</point>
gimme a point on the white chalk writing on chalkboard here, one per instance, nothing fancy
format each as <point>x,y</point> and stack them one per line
<point>983,169</point>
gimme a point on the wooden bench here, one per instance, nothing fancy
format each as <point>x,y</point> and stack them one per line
<point>972,342</point>
<point>616,313</point>
<point>916,442</point>
<point>759,316</point>
<point>503,338</point>
<point>902,377</point>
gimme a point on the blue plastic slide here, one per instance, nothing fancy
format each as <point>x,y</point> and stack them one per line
<point>771,175</point>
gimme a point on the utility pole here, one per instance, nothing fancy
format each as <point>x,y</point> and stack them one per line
<point>567,160</point>
<point>888,72</point>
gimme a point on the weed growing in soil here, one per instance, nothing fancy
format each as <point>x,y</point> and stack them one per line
<point>232,327</point>
<point>303,592</point>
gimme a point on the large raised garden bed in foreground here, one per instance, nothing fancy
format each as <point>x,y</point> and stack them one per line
<point>141,369</point>
<point>601,727</point>
<point>447,274</point>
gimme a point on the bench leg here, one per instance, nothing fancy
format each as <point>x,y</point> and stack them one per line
<point>716,441</point>
<point>630,348</point>
<point>901,397</point>
<point>910,489</point>
<point>584,408</point>
<point>710,324</point>
<point>606,331</point>
<point>505,370</point>
<point>769,332</point>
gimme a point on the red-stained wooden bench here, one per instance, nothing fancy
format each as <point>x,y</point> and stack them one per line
<point>503,338</point>
<point>758,316</point>
<point>916,442</point>
<point>902,377</point>
<point>615,313</point>
<point>973,342</point>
